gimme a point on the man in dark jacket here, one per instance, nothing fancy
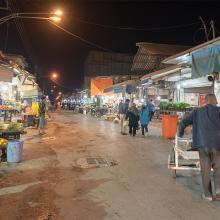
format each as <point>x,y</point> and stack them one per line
<point>206,138</point>
<point>133,116</point>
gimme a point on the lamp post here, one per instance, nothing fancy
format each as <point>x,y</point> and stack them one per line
<point>54,16</point>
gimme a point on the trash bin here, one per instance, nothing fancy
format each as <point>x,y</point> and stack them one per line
<point>169,126</point>
<point>14,151</point>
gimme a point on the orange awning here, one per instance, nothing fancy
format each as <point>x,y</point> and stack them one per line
<point>98,85</point>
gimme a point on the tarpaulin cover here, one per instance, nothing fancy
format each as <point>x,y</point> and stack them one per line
<point>98,85</point>
<point>206,61</point>
<point>130,88</point>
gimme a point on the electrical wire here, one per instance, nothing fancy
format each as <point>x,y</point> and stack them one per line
<point>80,38</point>
<point>21,30</point>
<point>136,29</point>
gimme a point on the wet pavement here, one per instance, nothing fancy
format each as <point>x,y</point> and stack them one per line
<point>83,169</point>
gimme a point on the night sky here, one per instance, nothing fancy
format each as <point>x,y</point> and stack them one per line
<point>53,50</point>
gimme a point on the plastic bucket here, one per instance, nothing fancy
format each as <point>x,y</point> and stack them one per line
<point>14,151</point>
<point>169,126</point>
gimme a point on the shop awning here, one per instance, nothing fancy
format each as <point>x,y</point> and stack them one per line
<point>29,91</point>
<point>206,61</point>
<point>198,82</point>
<point>30,94</point>
<point>185,56</point>
<point>98,85</point>
<point>109,90</point>
<point>6,74</point>
<point>126,86</point>
<point>162,73</point>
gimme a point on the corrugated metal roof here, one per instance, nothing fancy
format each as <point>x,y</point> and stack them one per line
<point>149,56</point>
<point>162,49</point>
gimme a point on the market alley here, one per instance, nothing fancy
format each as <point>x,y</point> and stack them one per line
<point>54,182</point>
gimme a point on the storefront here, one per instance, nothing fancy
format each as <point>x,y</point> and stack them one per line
<point>121,91</point>
<point>204,64</point>
<point>161,84</point>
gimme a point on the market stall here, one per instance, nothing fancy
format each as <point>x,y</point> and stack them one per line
<point>10,143</point>
<point>203,61</point>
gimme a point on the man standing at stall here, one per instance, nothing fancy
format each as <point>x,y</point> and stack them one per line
<point>123,109</point>
<point>206,138</point>
<point>42,115</point>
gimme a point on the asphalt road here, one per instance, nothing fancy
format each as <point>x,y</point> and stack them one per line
<point>55,182</point>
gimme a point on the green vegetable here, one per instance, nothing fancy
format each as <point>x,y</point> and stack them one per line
<point>173,106</point>
<point>15,127</point>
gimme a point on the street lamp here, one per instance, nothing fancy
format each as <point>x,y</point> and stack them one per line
<point>58,12</point>
<point>54,16</point>
<point>54,76</point>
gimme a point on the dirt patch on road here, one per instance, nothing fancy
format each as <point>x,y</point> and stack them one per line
<point>72,196</point>
<point>43,187</point>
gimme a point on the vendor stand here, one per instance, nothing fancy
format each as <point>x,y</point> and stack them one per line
<point>6,113</point>
<point>9,132</point>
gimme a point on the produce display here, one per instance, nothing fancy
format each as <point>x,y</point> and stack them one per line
<point>14,127</point>
<point>6,108</point>
<point>3,143</point>
<point>174,106</point>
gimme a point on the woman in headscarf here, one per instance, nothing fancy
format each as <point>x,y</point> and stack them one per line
<point>144,119</point>
<point>133,116</point>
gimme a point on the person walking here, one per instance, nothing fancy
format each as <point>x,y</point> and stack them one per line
<point>205,122</point>
<point>151,107</point>
<point>144,119</point>
<point>133,116</point>
<point>42,115</point>
<point>122,110</point>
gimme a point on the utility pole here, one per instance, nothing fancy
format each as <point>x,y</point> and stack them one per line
<point>204,27</point>
<point>212,23</point>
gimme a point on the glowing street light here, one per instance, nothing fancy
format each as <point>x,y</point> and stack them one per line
<point>55,18</point>
<point>58,12</point>
<point>54,75</point>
